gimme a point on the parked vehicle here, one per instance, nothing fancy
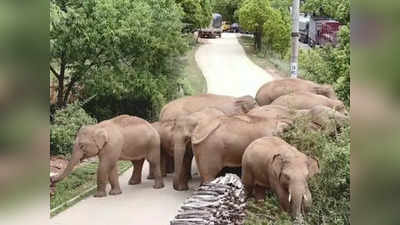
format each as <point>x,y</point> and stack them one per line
<point>225,26</point>
<point>214,29</point>
<point>322,31</point>
<point>304,22</point>
<point>234,28</point>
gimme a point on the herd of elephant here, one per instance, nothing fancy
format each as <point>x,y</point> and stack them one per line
<point>218,131</point>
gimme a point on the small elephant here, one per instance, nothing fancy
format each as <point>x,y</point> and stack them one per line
<point>271,163</point>
<point>221,142</point>
<point>190,104</point>
<point>307,100</point>
<point>274,89</point>
<point>121,138</point>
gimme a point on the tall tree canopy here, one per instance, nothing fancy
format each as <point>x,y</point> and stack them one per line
<point>197,13</point>
<point>252,16</point>
<point>115,44</point>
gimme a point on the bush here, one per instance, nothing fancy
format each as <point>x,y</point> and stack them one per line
<point>66,123</point>
<point>330,189</point>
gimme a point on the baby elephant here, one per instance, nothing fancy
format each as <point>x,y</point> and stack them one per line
<point>271,163</point>
<point>121,138</point>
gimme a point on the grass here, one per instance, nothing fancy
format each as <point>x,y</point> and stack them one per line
<point>192,77</point>
<point>273,64</point>
<point>79,181</point>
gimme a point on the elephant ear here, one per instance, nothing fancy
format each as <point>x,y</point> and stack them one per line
<point>100,138</point>
<point>313,166</point>
<point>277,165</point>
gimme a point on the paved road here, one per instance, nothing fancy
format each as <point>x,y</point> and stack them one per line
<point>228,71</point>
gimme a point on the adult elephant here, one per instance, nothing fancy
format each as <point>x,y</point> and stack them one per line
<point>271,163</point>
<point>274,89</point>
<point>121,138</point>
<point>307,100</point>
<point>182,134</point>
<point>190,104</point>
<point>221,142</point>
<point>319,117</point>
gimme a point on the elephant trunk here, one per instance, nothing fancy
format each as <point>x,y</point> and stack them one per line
<point>77,155</point>
<point>179,153</point>
<point>299,199</point>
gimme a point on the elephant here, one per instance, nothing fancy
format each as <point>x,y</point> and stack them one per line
<point>182,134</point>
<point>320,117</point>
<point>327,119</point>
<point>190,104</point>
<point>165,130</point>
<point>121,138</point>
<point>307,100</point>
<point>221,142</point>
<point>276,112</point>
<point>271,163</point>
<point>270,91</point>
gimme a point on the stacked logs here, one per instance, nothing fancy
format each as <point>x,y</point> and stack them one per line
<point>221,201</point>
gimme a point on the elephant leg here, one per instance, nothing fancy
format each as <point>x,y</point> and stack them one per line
<point>155,165</point>
<point>248,182</point>
<point>164,160</point>
<point>209,167</point>
<point>136,177</point>
<point>170,168</point>
<point>102,177</point>
<point>259,193</point>
<point>187,166</point>
<point>113,177</point>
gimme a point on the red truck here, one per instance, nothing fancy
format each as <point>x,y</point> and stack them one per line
<point>322,31</point>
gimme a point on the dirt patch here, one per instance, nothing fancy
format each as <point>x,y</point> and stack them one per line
<point>57,165</point>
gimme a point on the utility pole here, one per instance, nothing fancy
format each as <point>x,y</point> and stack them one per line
<point>295,39</point>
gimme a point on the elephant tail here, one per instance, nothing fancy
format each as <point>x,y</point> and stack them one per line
<point>204,129</point>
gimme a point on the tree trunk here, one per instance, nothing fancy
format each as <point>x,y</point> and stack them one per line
<point>60,88</point>
<point>258,37</point>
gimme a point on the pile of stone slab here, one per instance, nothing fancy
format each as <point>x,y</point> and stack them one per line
<point>221,201</point>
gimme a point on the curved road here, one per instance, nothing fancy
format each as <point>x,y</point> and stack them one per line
<point>228,71</point>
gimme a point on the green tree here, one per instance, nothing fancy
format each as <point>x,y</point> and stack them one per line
<point>197,13</point>
<point>252,16</point>
<point>113,41</point>
<point>277,33</point>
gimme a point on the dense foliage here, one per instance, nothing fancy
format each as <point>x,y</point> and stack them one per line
<point>276,32</point>
<point>253,14</point>
<point>330,189</point>
<point>125,53</point>
<point>66,123</point>
<point>197,13</point>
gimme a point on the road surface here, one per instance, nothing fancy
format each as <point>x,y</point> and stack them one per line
<point>228,71</point>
